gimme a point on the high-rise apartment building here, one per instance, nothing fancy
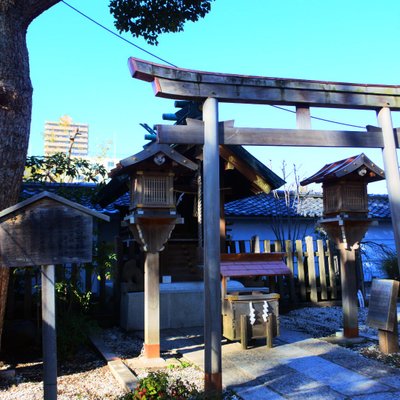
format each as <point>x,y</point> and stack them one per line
<point>64,136</point>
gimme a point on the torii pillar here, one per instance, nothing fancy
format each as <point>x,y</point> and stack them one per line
<point>212,275</point>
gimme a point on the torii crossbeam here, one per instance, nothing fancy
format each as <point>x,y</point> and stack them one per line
<point>211,88</point>
<point>177,83</point>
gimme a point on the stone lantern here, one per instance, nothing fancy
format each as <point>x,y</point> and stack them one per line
<point>152,219</point>
<point>345,220</point>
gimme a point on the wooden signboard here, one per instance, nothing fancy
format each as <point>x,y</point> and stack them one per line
<point>382,311</point>
<point>46,229</point>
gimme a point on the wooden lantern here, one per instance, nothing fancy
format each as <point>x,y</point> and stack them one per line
<point>152,201</point>
<point>346,221</point>
<point>152,219</point>
<point>345,197</point>
<point>151,190</point>
<point>344,185</point>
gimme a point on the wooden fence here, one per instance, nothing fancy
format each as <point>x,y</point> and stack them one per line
<point>314,265</point>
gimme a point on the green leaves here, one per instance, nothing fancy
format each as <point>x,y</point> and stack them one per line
<point>61,168</point>
<point>150,18</point>
<point>158,385</point>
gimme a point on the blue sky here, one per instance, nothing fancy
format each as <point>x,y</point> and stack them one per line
<point>81,70</point>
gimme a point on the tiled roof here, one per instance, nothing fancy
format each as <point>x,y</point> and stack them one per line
<point>263,205</point>
<point>310,205</point>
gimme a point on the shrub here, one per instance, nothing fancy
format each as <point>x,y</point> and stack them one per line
<point>390,266</point>
<point>153,386</point>
<point>158,386</point>
<point>73,323</point>
<point>72,333</point>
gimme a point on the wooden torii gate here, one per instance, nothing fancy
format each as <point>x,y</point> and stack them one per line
<point>211,88</point>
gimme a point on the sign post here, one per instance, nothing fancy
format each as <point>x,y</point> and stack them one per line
<point>45,230</point>
<point>49,336</point>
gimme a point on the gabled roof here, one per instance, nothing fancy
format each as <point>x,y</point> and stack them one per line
<point>247,176</point>
<point>306,206</point>
<point>82,193</point>
<point>149,151</point>
<point>47,195</point>
<point>274,181</point>
<point>118,185</point>
<point>359,165</point>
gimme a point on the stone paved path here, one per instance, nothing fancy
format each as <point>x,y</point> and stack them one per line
<point>298,367</point>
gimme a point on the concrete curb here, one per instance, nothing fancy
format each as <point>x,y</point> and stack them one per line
<point>120,371</point>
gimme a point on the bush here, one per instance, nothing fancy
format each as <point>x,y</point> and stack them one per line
<point>390,266</point>
<point>157,386</point>
<point>72,333</point>
<point>73,324</point>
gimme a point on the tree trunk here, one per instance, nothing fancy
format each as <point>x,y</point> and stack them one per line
<point>15,116</point>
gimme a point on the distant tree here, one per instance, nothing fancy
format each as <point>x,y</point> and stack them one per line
<point>62,168</point>
<point>152,17</point>
<point>290,225</point>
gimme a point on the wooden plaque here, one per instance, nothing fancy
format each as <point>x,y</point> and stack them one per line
<point>382,310</point>
<point>45,232</point>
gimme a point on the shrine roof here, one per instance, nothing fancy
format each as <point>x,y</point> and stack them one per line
<point>253,264</point>
<point>247,175</point>
<point>273,179</point>
<point>254,268</point>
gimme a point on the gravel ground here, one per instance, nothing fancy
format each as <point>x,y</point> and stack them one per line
<point>88,378</point>
<point>320,322</point>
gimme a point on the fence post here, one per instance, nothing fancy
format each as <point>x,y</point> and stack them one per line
<point>267,246</point>
<point>322,270</point>
<point>301,270</point>
<point>290,264</point>
<point>278,249</point>
<point>312,275</point>
<point>255,244</point>
<point>331,267</point>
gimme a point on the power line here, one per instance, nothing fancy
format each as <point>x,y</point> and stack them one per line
<point>322,119</point>
<point>116,34</point>
<point>173,65</point>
